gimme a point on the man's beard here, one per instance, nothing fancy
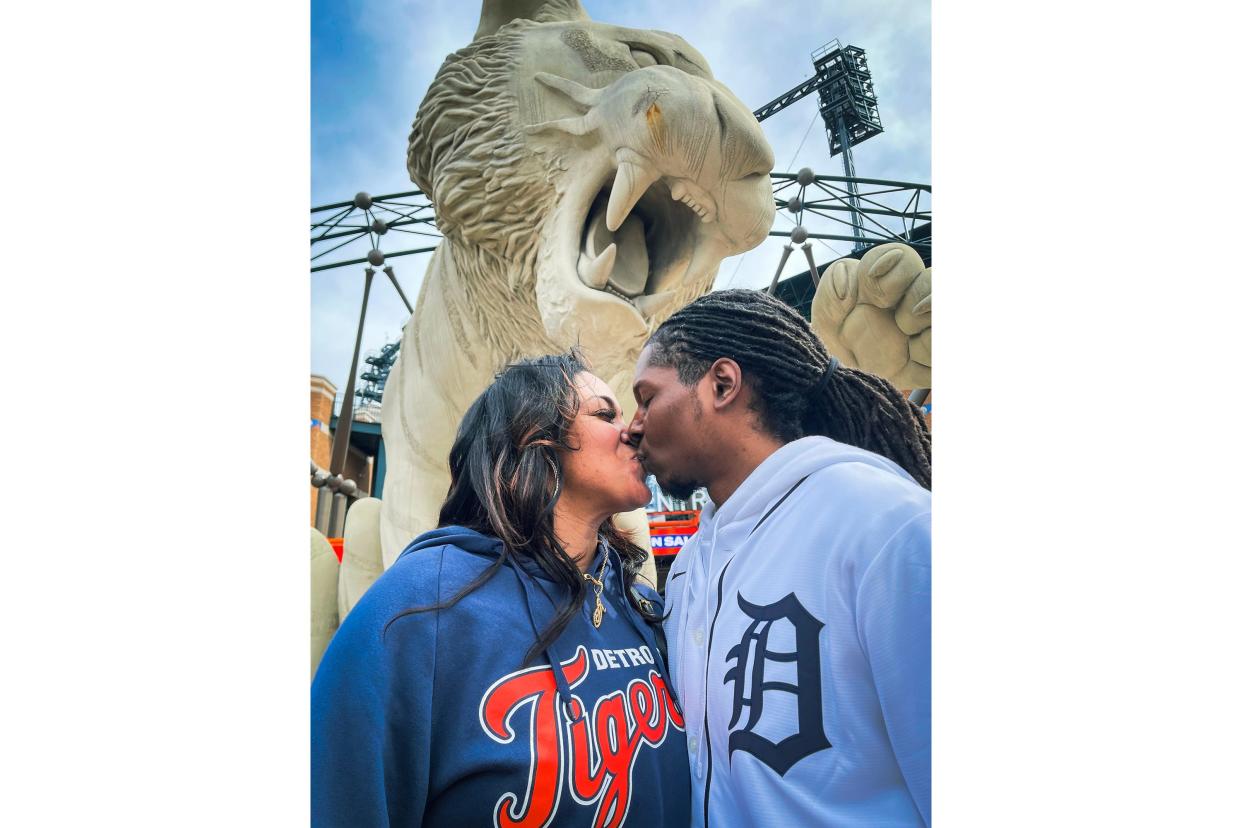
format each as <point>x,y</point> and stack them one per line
<point>679,489</point>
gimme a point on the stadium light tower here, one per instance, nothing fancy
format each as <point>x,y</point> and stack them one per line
<point>846,103</point>
<point>381,363</point>
<point>848,106</point>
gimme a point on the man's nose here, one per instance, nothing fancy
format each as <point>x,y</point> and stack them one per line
<point>632,434</point>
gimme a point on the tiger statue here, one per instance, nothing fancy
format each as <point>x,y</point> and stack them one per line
<point>588,180</point>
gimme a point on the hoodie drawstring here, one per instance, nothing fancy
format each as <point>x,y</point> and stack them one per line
<point>636,620</point>
<point>558,673</point>
<point>646,632</point>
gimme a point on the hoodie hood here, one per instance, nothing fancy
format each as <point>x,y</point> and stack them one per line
<point>777,474</point>
<point>459,536</point>
<point>541,593</point>
<point>476,543</point>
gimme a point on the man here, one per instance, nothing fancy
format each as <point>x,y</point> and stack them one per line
<point>799,615</point>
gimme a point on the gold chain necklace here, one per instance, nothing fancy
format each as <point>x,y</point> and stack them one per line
<point>597,617</point>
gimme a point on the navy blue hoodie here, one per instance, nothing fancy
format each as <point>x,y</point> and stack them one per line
<point>431,719</point>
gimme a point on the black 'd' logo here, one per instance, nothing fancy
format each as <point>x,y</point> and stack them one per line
<point>752,656</point>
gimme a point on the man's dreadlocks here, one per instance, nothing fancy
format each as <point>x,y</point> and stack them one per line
<point>786,363</point>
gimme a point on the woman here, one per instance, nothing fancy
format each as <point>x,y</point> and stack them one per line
<point>507,669</point>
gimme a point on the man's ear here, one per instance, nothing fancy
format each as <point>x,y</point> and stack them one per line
<point>725,376</point>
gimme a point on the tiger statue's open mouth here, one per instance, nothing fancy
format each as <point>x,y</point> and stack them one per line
<point>670,176</point>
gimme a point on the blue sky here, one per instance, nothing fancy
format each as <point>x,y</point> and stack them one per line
<point>372,61</point>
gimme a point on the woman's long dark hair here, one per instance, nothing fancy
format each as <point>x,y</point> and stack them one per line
<point>506,480</point>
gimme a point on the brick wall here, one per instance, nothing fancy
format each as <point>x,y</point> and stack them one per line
<point>322,392</point>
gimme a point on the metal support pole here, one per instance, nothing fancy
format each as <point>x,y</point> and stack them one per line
<point>323,509</point>
<point>779,268</point>
<point>848,156</point>
<point>340,438</point>
<point>392,277</point>
<point>336,524</point>
<point>810,260</point>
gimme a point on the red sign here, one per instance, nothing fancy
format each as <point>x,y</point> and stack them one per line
<point>671,530</point>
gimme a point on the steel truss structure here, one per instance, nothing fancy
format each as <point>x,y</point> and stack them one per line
<point>890,211</point>
<point>333,228</point>
<point>409,213</point>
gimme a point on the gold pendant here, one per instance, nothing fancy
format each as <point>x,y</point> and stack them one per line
<point>597,617</point>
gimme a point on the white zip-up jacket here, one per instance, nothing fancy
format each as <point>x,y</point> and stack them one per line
<point>799,634</point>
